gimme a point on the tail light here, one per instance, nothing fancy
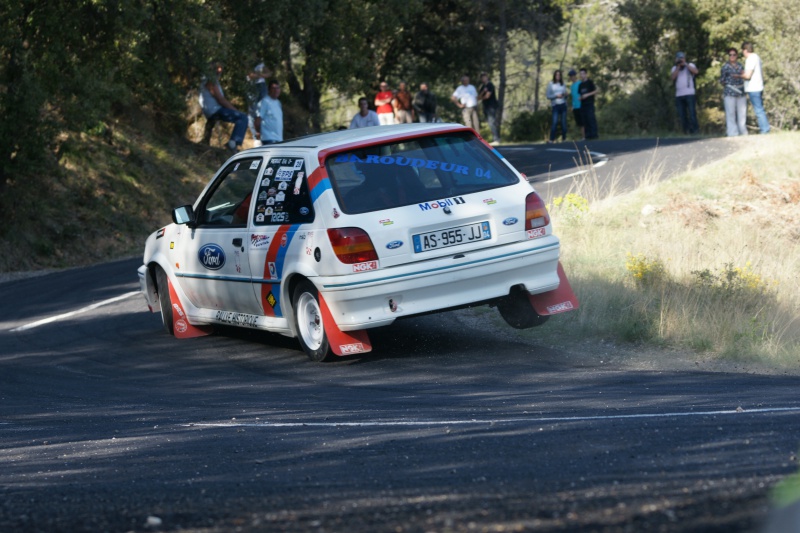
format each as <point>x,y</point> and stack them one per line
<point>536,215</point>
<point>352,245</point>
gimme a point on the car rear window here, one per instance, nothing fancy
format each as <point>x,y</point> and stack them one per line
<point>415,171</point>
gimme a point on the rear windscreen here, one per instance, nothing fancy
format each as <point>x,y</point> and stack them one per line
<point>415,171</point>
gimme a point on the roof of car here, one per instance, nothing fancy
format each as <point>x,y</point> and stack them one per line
<point>333,139</point>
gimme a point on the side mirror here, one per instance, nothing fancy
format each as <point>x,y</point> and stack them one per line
<point>183,215</point>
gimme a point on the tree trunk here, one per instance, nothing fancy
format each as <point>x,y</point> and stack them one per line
<point>501,83</point>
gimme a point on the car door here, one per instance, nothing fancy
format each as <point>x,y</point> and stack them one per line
<point>214,270</point>
<point>283,205</point>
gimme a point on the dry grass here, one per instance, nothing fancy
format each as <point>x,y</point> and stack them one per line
<point>709,260</point>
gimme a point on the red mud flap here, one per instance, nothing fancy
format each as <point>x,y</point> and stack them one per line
<point>180,326</point>
<point>560,300</point>
<point>343,342</point>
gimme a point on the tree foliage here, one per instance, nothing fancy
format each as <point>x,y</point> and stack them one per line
<point>78,65</point>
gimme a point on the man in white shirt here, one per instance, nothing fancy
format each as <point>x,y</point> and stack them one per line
<point>365,116</point>
<point>466,97</point>
<point>682,75</point>
<point>754,84</point>
<point>269,122</point>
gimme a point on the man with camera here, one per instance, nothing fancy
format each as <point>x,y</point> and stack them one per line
<point>683,74</point>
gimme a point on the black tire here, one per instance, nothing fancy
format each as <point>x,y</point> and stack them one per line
<point>517,310</point>
<point>162,288</point>
<point>308,322</point>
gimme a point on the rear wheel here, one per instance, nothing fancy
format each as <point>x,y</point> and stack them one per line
<point>308,321</point>
<point>162,287</point>
<point>517,311</point>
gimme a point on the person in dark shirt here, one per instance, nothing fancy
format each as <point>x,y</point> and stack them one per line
<point>425,104</point>
<point>486,94</point>
<point>588,91</point>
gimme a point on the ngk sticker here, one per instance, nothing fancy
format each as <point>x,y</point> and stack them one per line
<point>365,267</point>
<point>536,233</point>
<point>560,308</point>
<point>356,347</point>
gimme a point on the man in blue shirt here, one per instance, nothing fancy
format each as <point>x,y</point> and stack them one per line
<point>217,107</point>
<point>574,90</point>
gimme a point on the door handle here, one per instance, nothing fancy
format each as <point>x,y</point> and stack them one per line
<point>237,241</point>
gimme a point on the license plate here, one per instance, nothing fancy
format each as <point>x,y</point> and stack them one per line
<point>435,240</point>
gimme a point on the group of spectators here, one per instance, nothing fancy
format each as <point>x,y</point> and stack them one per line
<point>265,113</point>
<point>738,84</point>
<point>398,107</point>
<point>581,93</point>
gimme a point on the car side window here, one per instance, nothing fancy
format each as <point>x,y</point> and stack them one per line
<point>228,204</point>
<point>283,196</point>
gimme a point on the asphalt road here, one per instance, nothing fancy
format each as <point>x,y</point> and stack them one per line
<point>613,165</point>
<point>454,423</point>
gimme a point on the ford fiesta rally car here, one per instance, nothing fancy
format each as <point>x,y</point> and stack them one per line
<point>324,237</point>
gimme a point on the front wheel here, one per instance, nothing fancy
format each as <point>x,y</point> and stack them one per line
<point>308,321</point>
<point>162,288</point>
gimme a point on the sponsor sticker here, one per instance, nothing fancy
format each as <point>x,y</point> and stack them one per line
<point>181,326</point>
<point>356,347</point>
<point>237,319</point>
<point>365,267</point>
<point>160,233</point>
<point>436,204</point>
<point>178,310</point>
<point>254,164</point>
<point>560,308</point>
<point>271,300</point>
<point>489,201</point>
<point>273,271</point>
<point>386,222</point>
<point>536,233</point>
<point>172,245</point>
<point>211,256</point>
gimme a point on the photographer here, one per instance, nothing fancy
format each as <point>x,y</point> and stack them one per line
<point>682,75</point>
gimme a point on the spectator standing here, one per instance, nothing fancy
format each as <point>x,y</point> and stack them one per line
<point>754,84</point>
<point>365,116</point>
<point>466,98</point>
<point>383,105</point>
<point>487,95</point>
<point>682,75</point>
<point>557,94</point>
<point>217,107</point>
<point>256,91</point>
<point>574,90</point>
<point>425,104</point>
<point>733,95</point>
<point>403,111</point>
<point>270,115</point>
<point>587,92</point>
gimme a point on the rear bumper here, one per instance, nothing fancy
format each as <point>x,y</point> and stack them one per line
<point>377,298</point>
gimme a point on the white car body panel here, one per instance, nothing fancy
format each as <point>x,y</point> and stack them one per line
<point>247,283</point>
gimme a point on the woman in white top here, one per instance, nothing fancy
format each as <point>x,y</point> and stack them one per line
<point>557,94</point>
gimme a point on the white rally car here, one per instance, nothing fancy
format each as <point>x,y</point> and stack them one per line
<point>324,237</point>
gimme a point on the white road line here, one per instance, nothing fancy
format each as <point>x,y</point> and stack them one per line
<point>475,422</point>
<point>603,159</point>
<point>73,313</point>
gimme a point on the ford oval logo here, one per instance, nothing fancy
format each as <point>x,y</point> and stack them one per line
<point>394,245</point>
<point>510,221</point>
<point>211,256</point>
